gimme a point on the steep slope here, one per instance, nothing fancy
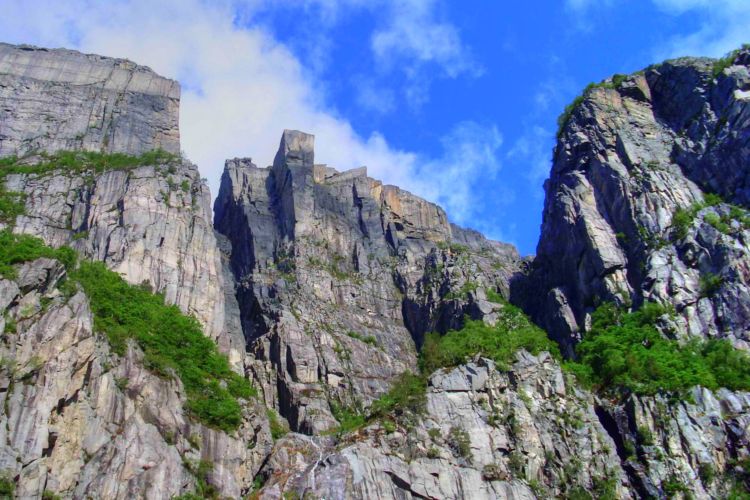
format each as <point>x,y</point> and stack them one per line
<point>340,276</point>
<point>630,211</point>
<point>80,421</point>
<point>149,218</point>
<point>53,100</point>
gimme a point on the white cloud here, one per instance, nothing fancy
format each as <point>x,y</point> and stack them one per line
<point>724,27</point>
<point>242,87</point>
<point>533,148</point>
<point>415,34</point>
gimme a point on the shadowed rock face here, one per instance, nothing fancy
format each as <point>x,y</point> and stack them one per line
<point>53,100</point>
<point>627,159</point>
<point>339,276</point>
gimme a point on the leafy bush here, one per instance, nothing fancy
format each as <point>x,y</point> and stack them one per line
<point>512,332</point>
<point>171,342</point>
<point>18,248</point>
<point>710,283</point>
<point>459,440</point>
<point>406,394</point>
<point>625,351</point>
<point>349,418</point>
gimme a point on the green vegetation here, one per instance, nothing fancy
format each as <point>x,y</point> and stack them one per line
<point>171,341</point>
<point>367,339</point>
<point>7,486</point>
<point>200,470</point>
<point>463,292</point>
<point>721,64</point>
<point>406,394</point>
<point>684,217</point>
<point>625,351</point>
<point>459,441</point>
<point>18,248</point>
<point>11,204</point>
<point>278,428</point>
<point>349,418</point>
<point>454,248</point>
<point>494,296</point>
<point>50,495</point>
<point>84,161</point>
<point>710,284</point>
<point>513,331</point>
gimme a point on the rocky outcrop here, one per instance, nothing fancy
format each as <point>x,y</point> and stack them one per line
<point>340,276</point>
<point>78,421</point>
<point>151,224</point>
<point>528,432</point>
<point>53,100</point>
<point>633,153</point>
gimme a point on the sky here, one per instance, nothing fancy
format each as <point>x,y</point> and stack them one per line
<point>455,101</point>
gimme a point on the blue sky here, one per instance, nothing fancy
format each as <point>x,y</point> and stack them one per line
<point>455,101</point>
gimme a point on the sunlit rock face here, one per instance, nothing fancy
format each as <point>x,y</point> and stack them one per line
<point>630,155</point>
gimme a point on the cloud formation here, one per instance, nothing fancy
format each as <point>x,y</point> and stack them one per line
<point>241,87</point>
<point>723,25</point>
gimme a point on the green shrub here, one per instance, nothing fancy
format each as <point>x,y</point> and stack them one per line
<point>11,204</point>
<point>172,343</point>
<point>49,495</point>
<point>18,248</point>
<point>406,394</point>
<point>625,351</point>
<point>710,283</point>
<point>83,161</point>
<point>512,332</point>
<point>644,436</point>
<point>349,418</point>
<point>717,223</point>
<point>459,440</point>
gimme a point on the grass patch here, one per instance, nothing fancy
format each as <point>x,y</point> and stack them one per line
<point>512,332</point>
<point>278,428</point>
<point>493,296</point>
<point>625,352</point>
<point>84,161</point>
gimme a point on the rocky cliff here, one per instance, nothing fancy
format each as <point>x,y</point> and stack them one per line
<point>631,212</point>
<point>53,100</point>
<point>339,277</point>
<point>322,286</point>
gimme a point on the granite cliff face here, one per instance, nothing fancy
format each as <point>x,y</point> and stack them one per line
<point>320,287</point>
<point>624,219</point>
<point>339,277</point>
<point>54,100</point>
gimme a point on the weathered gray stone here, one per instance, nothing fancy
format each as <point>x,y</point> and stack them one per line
<point>59,99</point>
